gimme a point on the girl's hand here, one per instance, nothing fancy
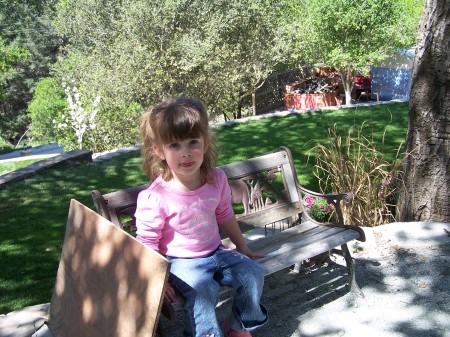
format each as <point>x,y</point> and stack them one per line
<point>246,251</point>
<point>170,294</point>
<point>231,228</point>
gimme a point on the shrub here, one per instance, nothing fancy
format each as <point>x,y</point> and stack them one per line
<point>320,210</point>
<point>3,142</point>
<point>355,165</point>
<point>48,103</point>
<point>80,117</point>
<point>66,117</point>
<point>115,128</point>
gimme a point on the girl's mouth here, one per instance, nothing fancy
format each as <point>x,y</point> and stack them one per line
<point>188,164</point>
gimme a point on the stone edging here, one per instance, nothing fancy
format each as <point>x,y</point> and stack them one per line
<point>64,159</point>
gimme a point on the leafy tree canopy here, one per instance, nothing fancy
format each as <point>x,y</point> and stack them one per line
<point>350,35</point>
<point>144,51</point>
<point>25,26</point>
<point>9,55</point>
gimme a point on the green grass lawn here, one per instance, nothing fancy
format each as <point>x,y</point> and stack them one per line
<point>33,213</point>
<point>15,165</point>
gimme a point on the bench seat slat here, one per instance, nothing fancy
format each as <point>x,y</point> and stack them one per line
<point>303,230</point>
<point>297,244</point>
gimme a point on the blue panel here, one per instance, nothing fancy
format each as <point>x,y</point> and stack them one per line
<point>390,83</point>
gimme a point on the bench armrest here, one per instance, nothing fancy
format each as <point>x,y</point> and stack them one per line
<point>334,199</point>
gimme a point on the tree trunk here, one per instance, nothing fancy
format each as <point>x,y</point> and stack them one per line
<point>425,194</point>
<point>239,107</point>
<point>348,87</point>
<point>348,81</point>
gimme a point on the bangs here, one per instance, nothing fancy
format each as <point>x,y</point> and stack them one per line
<point>180,123</point>
<point>172,121</point>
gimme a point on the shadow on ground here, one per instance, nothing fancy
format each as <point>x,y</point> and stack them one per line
<point>406,294</point>
<point>287,296</point>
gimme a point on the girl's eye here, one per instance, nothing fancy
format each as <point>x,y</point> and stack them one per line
<point>173,145</point>
<point>194,141</point>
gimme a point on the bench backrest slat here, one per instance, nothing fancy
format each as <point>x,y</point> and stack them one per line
<point>245,167</point>
<point>265,205</point>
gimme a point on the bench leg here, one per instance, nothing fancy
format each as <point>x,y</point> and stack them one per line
<point>354,287</point>
<point>320,259</point>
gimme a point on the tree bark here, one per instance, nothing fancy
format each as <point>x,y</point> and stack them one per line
<point>425,192</point>
<point>348,77</point>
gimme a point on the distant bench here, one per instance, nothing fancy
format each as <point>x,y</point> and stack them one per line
<point>271,197</point>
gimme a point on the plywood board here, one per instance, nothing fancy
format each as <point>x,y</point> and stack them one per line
<point>108,284</point>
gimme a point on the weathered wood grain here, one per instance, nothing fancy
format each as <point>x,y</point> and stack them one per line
<point>99,290</point>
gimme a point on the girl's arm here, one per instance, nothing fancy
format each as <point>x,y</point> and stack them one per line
<point>150,219</point>
<point>231,228</point>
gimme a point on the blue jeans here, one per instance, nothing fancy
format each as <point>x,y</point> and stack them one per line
<point>198,280</point>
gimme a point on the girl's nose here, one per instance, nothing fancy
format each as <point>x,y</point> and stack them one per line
<point>186,153</point>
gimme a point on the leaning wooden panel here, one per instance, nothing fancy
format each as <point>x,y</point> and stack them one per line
<point>108,284</point>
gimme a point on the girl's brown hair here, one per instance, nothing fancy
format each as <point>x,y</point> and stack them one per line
<point>175,120</point>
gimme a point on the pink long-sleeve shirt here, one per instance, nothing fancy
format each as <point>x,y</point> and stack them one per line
<point>183,223</point>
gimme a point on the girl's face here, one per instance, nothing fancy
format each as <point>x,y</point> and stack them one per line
<point>184,158</point>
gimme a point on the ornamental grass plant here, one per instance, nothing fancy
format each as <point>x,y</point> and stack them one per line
<point>353,163</point>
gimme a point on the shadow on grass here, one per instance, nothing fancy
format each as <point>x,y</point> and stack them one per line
<point>33,219</point>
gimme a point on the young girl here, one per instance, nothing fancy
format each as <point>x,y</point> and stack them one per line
<point>179,216</point>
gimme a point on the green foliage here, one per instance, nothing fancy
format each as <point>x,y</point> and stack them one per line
<point>219,51</point>
<point>408,28</point>
<point>350,35</point>
<point>230,50</point>
<point>320,210</point>
<point>355,164</point>
<point>141,51</point>
<point>115,128</point>
<point>25,25</point>
<point>9,55</point>
<point>52,120</point>
<point>3,142</point>
<point>48,104</point>
<point>116,50</point>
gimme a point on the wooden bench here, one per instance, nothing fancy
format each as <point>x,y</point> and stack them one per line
<point>268,195</point>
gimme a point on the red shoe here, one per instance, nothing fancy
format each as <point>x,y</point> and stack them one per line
<point>234,333</point>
